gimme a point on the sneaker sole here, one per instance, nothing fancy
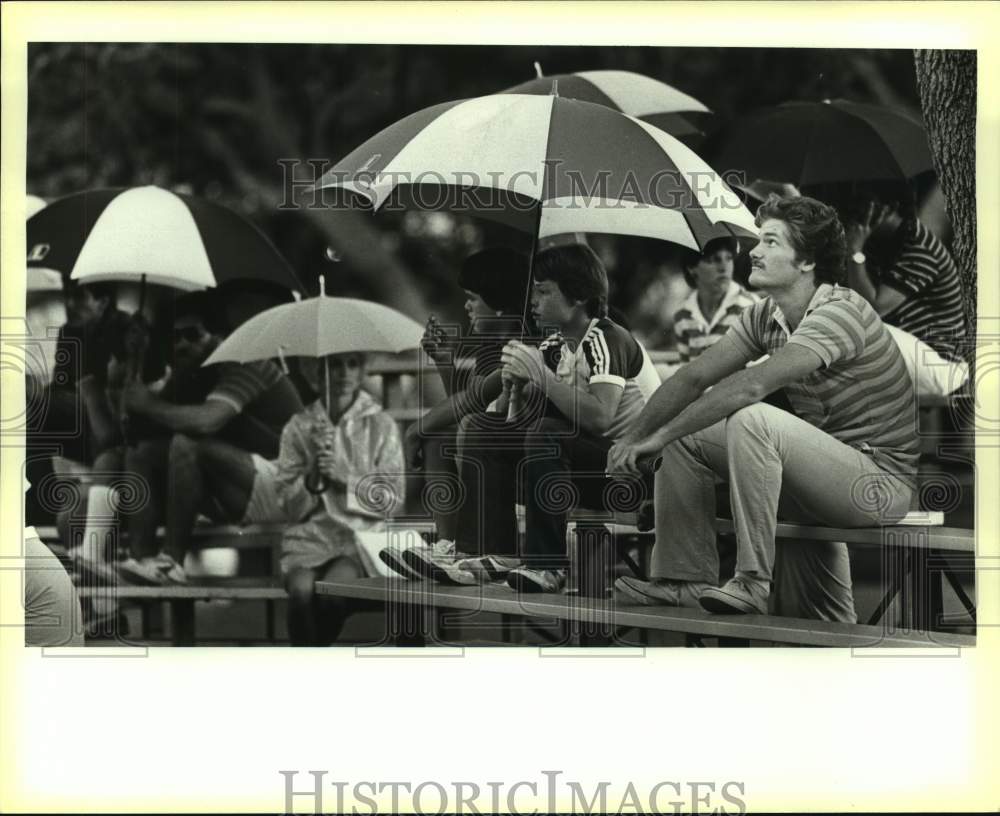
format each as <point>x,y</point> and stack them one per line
<point>138,578</point>
<point>524,584</point>
<point>424,569</point>
<point>722,604</point>
<point>428,570</point>
<point>495,571</point>
<point>395,562</point>
<point>640,597</point>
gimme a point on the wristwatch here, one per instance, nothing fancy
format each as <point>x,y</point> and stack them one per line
<point>858,258</point>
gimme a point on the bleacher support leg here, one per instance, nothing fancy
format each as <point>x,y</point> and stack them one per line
<point>592,572</point>
<point>182,615</point>
<point>269,620</point>
<point>406,624</point>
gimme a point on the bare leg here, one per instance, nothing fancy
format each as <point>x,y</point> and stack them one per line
<point>334,611</point>
<point>302,617</point>
<point>146,461</point>
<point>441,483</point>
<point>201,469</point>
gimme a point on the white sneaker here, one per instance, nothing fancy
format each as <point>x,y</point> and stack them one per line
<point>173,573</point>
<point>526,579</point>
<point>428,560</point>
<point>392,556</point>
<point>144,571</point>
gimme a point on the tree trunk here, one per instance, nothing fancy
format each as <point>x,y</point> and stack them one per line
<point>947,84</point>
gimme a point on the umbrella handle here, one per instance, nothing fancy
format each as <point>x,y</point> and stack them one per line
<point>315,482</point>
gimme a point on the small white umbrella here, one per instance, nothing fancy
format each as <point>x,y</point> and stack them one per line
<point>318,327</point>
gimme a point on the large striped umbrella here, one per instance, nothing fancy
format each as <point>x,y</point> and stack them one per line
<point>574,166</point>
<point>810,143</point>
<point>634,94</point>
<point>151,234</point>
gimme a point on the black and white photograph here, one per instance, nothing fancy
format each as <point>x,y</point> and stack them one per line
<point>559,345</point>
<point>401,348</point>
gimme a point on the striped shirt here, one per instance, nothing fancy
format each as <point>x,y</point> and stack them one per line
<point>263,398</point>
<point>927,275</point>
<point>695,333</point>
<point>608,353</point>
<point>862,395</point>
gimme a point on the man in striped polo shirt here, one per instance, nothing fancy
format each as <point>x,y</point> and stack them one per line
<point>716,302</point>
<point>847,457</point>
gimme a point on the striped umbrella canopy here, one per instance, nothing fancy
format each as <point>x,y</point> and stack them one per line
<point>150,234</point>
<point>547,164</point>
<point>634,94</point>
<point>810,143</point>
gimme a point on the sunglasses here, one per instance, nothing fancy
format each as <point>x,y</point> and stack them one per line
<point>190,334</point>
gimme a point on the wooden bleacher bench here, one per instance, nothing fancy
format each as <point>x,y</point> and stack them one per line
<point>402,596</point>
<point>917,537</point>
<point>919,549</point>
<point>181,600</point>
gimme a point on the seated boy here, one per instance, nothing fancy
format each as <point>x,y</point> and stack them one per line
<point>495,281</point>
<point>580,392</point>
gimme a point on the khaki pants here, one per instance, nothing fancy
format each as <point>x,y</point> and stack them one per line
<point>777,465</point>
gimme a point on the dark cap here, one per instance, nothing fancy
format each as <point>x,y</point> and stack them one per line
<point>499,276</point>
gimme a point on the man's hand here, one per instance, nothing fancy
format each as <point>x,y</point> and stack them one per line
<point>857,234</point>
<point>136,396</point>
<point>622,458</point>
<point>436,343</point>
<point>522,362</point>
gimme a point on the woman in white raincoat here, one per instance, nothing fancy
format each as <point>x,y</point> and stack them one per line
<point>339,470</point>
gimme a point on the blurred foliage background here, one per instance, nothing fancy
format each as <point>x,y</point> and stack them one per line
<point>214,120</point>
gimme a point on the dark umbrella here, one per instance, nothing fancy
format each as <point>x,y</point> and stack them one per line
<point>809,143</point>
<point>149,234</point>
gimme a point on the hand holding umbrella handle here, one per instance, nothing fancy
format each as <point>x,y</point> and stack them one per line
<point>315,480</point>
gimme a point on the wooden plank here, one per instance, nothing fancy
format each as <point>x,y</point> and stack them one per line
<point>232,590</point>
<point>406,414</point>
<point>241,536</point>
<point>502,600</point>
<point>953,539</point>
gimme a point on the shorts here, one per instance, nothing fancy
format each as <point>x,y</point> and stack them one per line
<point>263,504</point>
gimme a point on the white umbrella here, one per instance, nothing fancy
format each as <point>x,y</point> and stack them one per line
<point>318,327</point>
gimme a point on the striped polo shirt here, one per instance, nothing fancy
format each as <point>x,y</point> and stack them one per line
<point>862,395</point>
<point>927,275</point>
<point>695,332</point>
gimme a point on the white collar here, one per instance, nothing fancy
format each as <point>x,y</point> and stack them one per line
<point>732,294</point>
